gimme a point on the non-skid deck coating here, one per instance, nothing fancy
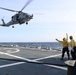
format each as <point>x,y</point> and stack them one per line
<point>24,54</point>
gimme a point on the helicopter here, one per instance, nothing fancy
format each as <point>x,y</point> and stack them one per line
<point>19,18</point>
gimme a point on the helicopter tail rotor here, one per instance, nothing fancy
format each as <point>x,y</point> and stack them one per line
<point>3,21</point>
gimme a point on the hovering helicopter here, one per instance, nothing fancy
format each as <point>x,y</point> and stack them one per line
<point>19,18</point>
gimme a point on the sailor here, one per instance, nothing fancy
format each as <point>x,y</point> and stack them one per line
<point>65,46</point>
<point>72,44</point>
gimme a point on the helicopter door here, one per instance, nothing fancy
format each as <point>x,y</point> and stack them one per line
<point>15,18</point>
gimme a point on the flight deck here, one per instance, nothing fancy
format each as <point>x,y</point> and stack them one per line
<point>31,61</point>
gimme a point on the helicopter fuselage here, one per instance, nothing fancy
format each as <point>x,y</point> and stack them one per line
<point>18,18</point>
<point>21,18</point>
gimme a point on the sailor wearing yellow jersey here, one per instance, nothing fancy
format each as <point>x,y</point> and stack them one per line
<point>65,46</point>
<point>72,44</point>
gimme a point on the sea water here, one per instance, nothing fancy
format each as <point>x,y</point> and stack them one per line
<point>52,45</point>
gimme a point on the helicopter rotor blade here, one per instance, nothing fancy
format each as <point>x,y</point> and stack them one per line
<point>8,9</point>
<point>28,2</point>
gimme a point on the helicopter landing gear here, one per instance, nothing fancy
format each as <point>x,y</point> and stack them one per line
<point>12,26</point>
<point>26,23</point>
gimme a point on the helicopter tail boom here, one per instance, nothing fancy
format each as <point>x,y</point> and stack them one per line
<point>3,23</point>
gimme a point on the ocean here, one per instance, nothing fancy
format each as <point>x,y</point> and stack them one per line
<point>52,45</point>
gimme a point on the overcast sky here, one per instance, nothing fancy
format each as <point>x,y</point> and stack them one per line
<point>58,18</point>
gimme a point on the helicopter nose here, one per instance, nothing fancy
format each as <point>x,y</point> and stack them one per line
<point>31,17</point>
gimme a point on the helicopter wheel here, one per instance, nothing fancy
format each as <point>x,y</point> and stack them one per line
<point>12,26</point>
<point>26,23</point>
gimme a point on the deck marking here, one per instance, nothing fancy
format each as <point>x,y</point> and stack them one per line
<point>47,57</point>
<point>16,56</point>
<point>12,51</point>
<point>7,65</point>
<point>35,60</point>
<point>58,67</point>
<point>18,63</point>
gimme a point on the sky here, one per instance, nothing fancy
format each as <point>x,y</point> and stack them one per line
<point>52,19</point>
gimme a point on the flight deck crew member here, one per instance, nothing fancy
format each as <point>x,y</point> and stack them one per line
<point>72,44</point>
<point>65,46</point>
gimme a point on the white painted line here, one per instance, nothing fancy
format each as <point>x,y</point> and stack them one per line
<point>35,60</point>
<point>13,51</point>
<point>3,66</point>
<point>9,50</point>
<point>47,57</point>
<point>16,56</point>
<point>29,59</point>
<point>58,67</point>
<point>18,63</point>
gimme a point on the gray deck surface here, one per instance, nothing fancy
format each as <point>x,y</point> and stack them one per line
<point>25,54</point>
